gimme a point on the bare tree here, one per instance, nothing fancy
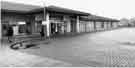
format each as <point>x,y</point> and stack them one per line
<point>124,22</point>
<point>132,21</point>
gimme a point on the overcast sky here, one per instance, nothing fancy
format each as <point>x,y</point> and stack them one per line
<point>107,8</point>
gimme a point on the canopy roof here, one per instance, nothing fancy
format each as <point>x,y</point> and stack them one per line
<point>64,10</point>
<point>17,7</point>
<point>98,18</point>
<point>25,8</point>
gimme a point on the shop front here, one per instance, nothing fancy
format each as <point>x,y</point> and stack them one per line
<point>33,20</point>
<point>60,23</point>
<point>20,25</point>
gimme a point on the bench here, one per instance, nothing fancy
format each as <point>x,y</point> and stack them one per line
<point>23,42</point>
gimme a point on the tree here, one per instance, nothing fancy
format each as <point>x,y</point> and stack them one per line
<point>124,22</point>
<point>132,21</point>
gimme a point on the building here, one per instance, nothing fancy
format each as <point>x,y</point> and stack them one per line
<point>98,23</point>
<point>29,20</point>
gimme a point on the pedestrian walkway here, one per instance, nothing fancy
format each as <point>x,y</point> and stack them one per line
<point>97,49</point>
<point>100,49</point>
<point>11,58</point>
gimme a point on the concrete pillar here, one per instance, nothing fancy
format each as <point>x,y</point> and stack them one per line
<point>47,23</point>
<point>63,29</point>
<point>102,26</point>
<point>114,25</point>
<point>95,28</point>
<point>80,27</point>
<point>0,30</point>
<point>69,26</point>
<point>117,23</point>
<point>92,26</point>
<point>99,25</point>
<point>77,24</point>
<point>105,25</point>
<point>86,26</point>
<point>108,25</point>
<point>68,23</point>
<point>111,24</point>
<point>33,26</point>
<point>0,27</point>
